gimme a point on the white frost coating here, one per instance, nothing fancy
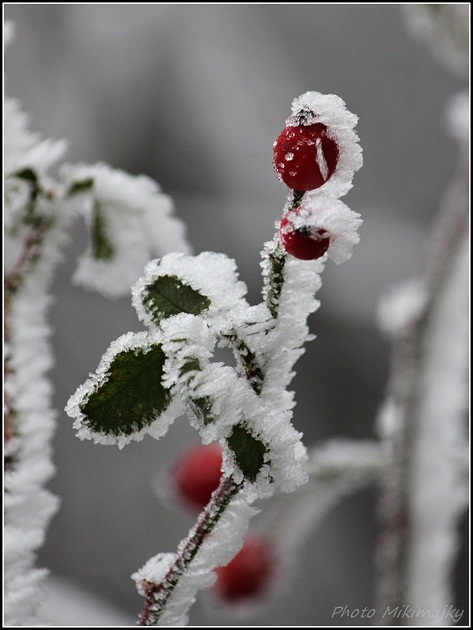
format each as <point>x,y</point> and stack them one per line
<point>129,341</point>
<point>29,418</point>
<point>211,274</point>
<point>154,571</point>
<point>137,222</point>
<point>400,306</point>
<point>286,339</point>
<point>439,489</point>
<point>330,110</point>
<point>233,401</point>
<point>331,215</point>
<point>218,548</point>
<point>28,506</point>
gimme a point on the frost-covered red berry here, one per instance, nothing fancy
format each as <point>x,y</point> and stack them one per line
<point>305,156</point>
<point>197,474</point>
<point>305,242</point>
<point>249,574</point>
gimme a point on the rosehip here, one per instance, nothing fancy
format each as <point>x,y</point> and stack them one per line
<point>197,475</point>
<point>250,572</point>
<point>305,242</point>
<point>305,156</point>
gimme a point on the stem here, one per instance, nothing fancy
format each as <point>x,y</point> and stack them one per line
<point>275,282</point>
<point>253,371</point>
<point>28,257</point>
<point>297,196</point>
<point>157,595</point>
<point>409,391</point>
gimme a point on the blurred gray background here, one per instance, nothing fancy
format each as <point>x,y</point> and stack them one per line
<point>194,96</point>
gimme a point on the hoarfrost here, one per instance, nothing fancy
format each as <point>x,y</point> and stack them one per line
<point>28,506</point>
<point>138,223</point>
<point>154,571</point>
<point>217,549</point>
<point>211,274</point>
<point>129,341</point>
<point>188,341</point>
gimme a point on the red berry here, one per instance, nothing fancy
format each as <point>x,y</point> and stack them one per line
<point>304,242</point>
<point>197,475</point>
<point>304,156</point>
<point>250,572</point>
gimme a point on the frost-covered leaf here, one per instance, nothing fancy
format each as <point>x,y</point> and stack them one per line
<point>168,295</point>
<point>126,395</point>
<point>132,396</point>
<point>249,452</point>
<point>192,284</point>
<point>130,221</point>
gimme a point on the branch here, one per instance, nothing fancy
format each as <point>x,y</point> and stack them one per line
<point>423,490</point>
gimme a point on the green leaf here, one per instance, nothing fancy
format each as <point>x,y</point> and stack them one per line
<point>168,295</point>
<point>102,248</point>
<point>132,397</point>
<point>249,452</point>
<point>81,186</point>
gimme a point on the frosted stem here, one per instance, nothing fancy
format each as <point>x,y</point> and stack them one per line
<point>254,373</point>
<point>29,255</point>
<point>421,500</point>
<point>277,262</point>
<point>157,595</point>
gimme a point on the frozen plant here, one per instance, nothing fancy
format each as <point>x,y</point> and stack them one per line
<point>423,421</point>
<point>192,304</point>
<point>128,220</point>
